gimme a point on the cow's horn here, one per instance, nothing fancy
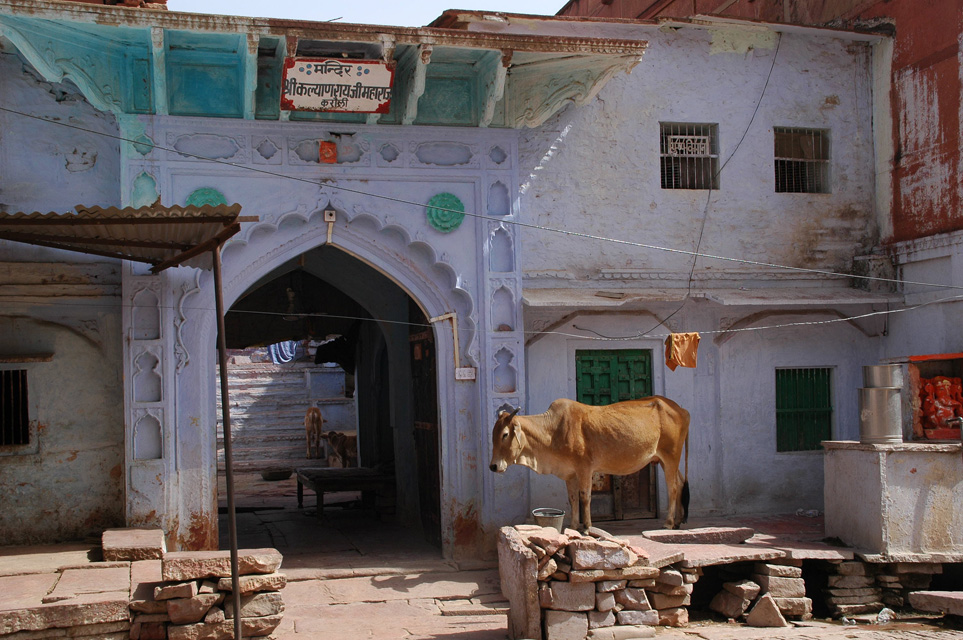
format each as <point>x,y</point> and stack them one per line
<point>513,413</point>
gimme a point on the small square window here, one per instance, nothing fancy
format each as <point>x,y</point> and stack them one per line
<point>804,408</point>
<point>14,415</point>
<point>689,155</point>
<point>801,160</point>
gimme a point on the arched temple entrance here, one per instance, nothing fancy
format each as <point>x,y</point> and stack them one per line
<point>372,376</point>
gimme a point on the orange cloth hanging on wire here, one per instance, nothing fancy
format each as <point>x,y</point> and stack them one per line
<point>681,350</point>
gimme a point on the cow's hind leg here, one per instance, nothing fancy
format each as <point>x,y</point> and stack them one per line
<point>673,485</point>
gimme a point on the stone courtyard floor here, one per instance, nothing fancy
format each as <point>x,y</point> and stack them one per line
<point>352,576</point>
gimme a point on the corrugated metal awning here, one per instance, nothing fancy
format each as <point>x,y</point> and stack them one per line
<point>160,236</point>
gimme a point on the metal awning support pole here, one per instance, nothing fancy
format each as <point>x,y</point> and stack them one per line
<point>228,454</point>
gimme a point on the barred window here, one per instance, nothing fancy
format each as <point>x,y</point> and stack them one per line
<point>801,160</point>
<point>14,418</point>
<point>689,156</point>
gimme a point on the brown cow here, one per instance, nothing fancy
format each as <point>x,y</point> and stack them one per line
<point>345,447</point>
<point>312,427</point>
<point>573,440</point>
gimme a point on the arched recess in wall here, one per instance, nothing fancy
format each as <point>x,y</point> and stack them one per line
<point>148,441</point>
<point>501,253</point>
<point>499,203</point>
<point>503,310</point>
<point>146,316</point>
<point>505,374</point>
<point>784,317</point>
<point>147,382</point>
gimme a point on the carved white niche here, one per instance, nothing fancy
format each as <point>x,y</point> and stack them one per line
<point>146,316</point>
<point>148,437</point>
<point>505,376</point>
<point>147,381</point>
<point>501,255</point>
<point>499,204</point>
<point>503,310</point>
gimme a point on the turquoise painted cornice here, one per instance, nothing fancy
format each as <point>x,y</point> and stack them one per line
<point>137,62</point>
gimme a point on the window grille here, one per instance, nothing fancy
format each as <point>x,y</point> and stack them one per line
<point>14,419</point>
<point>804,408</point>
<point>689,156</point>
<point>801,160</point>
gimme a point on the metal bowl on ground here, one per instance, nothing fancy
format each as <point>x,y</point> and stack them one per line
<point>276,473</point>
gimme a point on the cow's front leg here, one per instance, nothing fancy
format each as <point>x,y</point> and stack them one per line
<point>585,500</point>
<point>572,485</point>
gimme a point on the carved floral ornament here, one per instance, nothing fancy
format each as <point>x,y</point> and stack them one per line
<point>445,212</point>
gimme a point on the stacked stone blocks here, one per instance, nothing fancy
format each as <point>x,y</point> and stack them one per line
<point>772,592</point>
<point>857,587</point>
<point>189,595</point>
<point>585,585</point>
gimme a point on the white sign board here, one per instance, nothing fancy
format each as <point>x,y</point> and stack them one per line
<point>330,84</point>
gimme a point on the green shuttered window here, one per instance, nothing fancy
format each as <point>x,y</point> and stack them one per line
<point>804,408</point>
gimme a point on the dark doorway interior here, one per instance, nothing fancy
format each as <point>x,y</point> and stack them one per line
<point>367,384</point>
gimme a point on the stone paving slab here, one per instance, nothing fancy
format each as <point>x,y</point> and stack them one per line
<point>705,555</point>
<point>74,582</point>
<point>22,560</point>
<point>23,591</point>
<point>461,585</point>
<point>416,618</point>
<point>701,535</point>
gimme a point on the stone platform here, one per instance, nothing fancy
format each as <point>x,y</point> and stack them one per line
<point>142,593</point>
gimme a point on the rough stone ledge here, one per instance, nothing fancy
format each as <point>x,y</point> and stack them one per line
<point>938,601</point>
<point>85,609</point>
<point>194,565</point>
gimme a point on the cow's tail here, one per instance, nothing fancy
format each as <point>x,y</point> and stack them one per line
<point>685,482</point>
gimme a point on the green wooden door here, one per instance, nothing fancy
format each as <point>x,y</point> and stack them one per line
<point>604,376</point>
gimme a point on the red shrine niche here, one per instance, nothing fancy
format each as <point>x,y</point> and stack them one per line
<point>936,389</point>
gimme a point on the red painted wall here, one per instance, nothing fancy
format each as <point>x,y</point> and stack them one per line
<point>925,101</point>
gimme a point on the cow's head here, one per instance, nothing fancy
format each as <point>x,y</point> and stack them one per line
<point>506,441</point>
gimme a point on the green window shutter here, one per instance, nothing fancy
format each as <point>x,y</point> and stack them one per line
<point>604,376</point>
<point>804,408</point>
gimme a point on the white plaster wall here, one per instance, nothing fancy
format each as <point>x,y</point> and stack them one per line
<point>900,501</point>
<point>755,478</point>
<point>596,169</point>
<point>733,464</point>
<point>71,484</point>
<point>49,167</point>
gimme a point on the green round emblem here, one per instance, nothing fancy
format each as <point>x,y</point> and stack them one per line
<point>206,195</point>
<point>445,212</point>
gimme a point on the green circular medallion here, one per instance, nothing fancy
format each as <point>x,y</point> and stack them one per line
<point>206,195</point>
<point>445,212</point>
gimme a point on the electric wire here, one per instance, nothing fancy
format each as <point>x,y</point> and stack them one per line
<point>326,183</point>
<point>712,180</point>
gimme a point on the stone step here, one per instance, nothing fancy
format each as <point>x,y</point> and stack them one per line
<point>938,601</point>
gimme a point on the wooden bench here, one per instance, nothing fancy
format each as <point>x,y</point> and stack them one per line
<point>330,479</point>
